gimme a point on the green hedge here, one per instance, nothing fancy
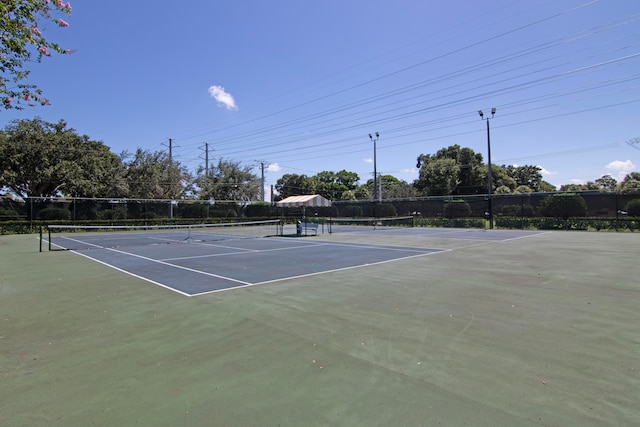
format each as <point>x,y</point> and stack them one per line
<point>8,215</point>
<point>633,207</point>
<point>449,222</point>
<point>457,209</point>
<point>538,223</point>
<point>563,205</point>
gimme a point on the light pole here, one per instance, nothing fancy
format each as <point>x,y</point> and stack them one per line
<point>375,171</point>
<point>489,204</point>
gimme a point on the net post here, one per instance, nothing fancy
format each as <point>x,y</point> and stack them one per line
<point>40,238</point>
<point>49,237</point>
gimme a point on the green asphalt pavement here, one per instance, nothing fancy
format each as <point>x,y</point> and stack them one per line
<point>538,331</point>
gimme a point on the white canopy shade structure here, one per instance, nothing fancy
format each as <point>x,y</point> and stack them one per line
<point>312,200</point>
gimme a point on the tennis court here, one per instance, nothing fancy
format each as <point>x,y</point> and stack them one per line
<point>367,327</point>
<point>202,264</point>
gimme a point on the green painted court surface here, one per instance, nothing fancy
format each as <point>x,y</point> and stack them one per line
<point>540,331</point>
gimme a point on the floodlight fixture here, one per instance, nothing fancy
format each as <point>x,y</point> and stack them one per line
<point>481,114</point>
<point>493,111</point>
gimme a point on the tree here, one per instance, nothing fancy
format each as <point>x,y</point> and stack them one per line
<point>392,188</point>
<point>452,170</point>
<point>153,175</point>
<point>569,188</point>
<point>631,183</point>
<point>22,43</point>
<point>43,159</point>
<point>523,189</point>
<point>530,176</point>
<point>438,177</point>
<point>294,185</point>
<point>546,187</point>
<point>332,185</point>
<point>229,181</point>
<point>500,178</point>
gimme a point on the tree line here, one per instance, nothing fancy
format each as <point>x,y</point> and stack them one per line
<point>41,159</point>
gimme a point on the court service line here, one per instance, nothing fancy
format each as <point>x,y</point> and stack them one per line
<point>386,247</point>
<point>527,236</point>
<point>240,252</point>
<point>204,273</point>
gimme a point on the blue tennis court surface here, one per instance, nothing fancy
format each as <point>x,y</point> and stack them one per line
<point>202,262</point>
<point>193,268</point>
<point>439,233</point>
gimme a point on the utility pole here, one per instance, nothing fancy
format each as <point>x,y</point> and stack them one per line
<point>262,163</point>
<point>206,159</point>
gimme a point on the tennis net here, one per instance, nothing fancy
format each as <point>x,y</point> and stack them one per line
<point>347,225</point>
<point>80,237</point>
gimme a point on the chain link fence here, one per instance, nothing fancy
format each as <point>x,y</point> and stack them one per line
<point>581,210</point>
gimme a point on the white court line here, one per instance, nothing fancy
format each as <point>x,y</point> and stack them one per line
<point>528,235</point>
<point>243,284</point>
<point>240,252</point>
<point>204,273</point>
<point>146,279</point>
<point>317,273</point>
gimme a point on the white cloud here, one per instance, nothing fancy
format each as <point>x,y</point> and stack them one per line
<point>368,160</point>
<point>222,97</point>
<point>274,167</point>
<point>620,168</point>
<point>619,165</point>
<point>545,172</point>
<point>410,170</point>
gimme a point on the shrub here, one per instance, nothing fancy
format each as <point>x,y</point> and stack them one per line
<point>112,214</point>
<point>54,214</point>
<point>8,215</point>
<point>258,209</point>
<point>192,210</point>
<point>385,210</point>
<point>351,211</point>
<point>564,205</point>
<point>148,215</point>
<point>633,207</point>
<point>457,209</point>
<point>517,210</point>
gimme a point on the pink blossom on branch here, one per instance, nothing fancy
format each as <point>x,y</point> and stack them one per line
<point>63,23</point>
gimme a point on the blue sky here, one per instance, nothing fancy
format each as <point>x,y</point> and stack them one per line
<point>300,84</point>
